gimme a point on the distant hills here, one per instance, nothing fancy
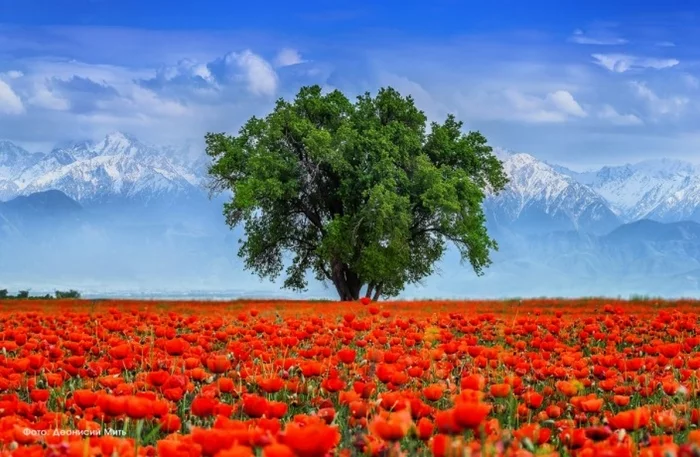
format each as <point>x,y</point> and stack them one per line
<point>119,214</point>
<point>650,231</point>
<point>26,215</point>
<point>42,204</point>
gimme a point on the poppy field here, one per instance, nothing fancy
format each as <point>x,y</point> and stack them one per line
<point>313,379</point>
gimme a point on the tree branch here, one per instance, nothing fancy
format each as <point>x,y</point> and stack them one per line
<point>313,218</point>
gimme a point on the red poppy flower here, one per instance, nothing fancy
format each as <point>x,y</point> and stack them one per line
<point>203,406</point>
<point>470,415</point>
<point>313,440</point>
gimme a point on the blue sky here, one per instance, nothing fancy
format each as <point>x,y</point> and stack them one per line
<point>578,83</point>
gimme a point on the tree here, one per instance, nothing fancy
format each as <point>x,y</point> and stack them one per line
<point>67,294</point>
<point>360,193</point>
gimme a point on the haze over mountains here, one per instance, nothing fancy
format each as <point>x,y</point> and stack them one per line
<point>122,217</point>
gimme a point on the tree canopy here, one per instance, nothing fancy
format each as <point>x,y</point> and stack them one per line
<point>362,194</point>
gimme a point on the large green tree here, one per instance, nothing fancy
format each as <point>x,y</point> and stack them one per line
<point>360,193</point>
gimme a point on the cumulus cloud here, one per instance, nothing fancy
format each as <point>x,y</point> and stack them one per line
<point>659,106</point>
<point>70,99</point>
<point>610,114</point>
<point>512,90</point>
<point>12,74</point>
<point>288,57</point>
<point>566,103</point>
<point>43,97</point>
<point>620,63</point>
<point>515,105</point>
<point>260,76</point>
<point>10,103</point>
<point>219,75</point>
<point>558,106</point>
<point>580,37</point>
<point>186,72</point>
<point>84,94</point>
<point>84,85</point>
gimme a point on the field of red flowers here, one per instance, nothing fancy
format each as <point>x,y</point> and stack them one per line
<point>313,379</point>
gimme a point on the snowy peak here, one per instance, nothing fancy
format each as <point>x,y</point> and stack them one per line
<point>114,144</point>
<point>116,167</point>
<point>665,168</point>
<point>117,143</point>
<point>13,159</point>
<point>663,189</point>
<point>540,198</point>
<point>531,178</point>
<point>10,153</point>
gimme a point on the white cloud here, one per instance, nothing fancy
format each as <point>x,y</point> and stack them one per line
<point>67,99</point>
<point>659,106</point>
<point>211,80</point>
<point>580,37</point>
<point>186,67</point>
<point>288,57</point>
<point>514,105</point>
<point>12,74</point>
<point>558,106</point>
<point>620,63</point>
<point>145,102</point>
<point>259,74</point>
<point>611,115</point>
<point>566,103</point>
<point>43,97</point>
<point>10,103</point>
<point>529,108</point>
<point>522,92</point>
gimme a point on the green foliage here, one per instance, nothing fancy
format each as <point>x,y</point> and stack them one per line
<point>360,193</point>
<point>24,295</point>
<point>69,294</point>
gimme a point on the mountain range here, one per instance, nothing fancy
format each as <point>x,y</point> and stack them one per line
<point>120,214</point>
<point>117,168</point>
<point>544,196</point>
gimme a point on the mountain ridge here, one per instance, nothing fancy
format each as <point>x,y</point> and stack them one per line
<point>642,257</point>
<point>540,196</point>
<point>94,172</point>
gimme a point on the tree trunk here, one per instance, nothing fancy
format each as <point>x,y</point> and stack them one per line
<point>370,289</point>
<point>377,293</point>
<point>346,282</point>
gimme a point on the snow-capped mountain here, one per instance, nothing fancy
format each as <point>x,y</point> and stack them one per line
<point>119,167</point>
<point>13,159</point>
<point>560,232</point>
<point>539,198</point>
<point>664,190</point>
